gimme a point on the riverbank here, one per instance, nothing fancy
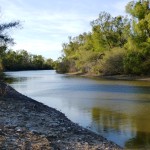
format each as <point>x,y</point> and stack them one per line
<point>28,124</point>
<point>111,77</point>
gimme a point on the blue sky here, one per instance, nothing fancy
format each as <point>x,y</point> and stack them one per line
<point>48,23</point>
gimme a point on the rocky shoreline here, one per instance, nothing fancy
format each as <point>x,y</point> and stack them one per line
<point>26,124</point>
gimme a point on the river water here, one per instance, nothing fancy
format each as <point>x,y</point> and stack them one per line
<point>118,110</point>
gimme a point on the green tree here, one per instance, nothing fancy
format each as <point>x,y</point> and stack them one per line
<point>137,60</point>
<point>110,32</point>
<point>138,9</point>
<point>115,45</point>
<point>5,38</point>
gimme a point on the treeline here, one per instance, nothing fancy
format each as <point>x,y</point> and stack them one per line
<point>18,60</point>
<point>22,60</point>
<point>115,45</point>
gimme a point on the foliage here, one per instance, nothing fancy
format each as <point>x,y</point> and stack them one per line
<point>137,62</point>
<point>61,66</point>
<point>18,60</point>
<point>113,63</point>
<point>115,45</point>
<point>22,60</point>
<point>6,39</point>
<point>137,59</point>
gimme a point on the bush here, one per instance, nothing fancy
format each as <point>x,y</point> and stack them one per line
<point>137,62</point>
<point>61,66</point>
<point>112,63</point>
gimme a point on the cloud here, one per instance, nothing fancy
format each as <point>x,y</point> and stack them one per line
<point>119,7</point>
<point>39,47</point>
<point>47,24</point>
<point>58,23</point>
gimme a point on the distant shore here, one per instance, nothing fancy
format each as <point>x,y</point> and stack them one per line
<point>28,124</point>
<point>113,77</point>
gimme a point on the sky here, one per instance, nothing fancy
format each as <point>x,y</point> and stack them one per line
<point>47,24</point>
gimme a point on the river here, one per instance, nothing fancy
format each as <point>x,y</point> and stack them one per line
<point>116,109</point>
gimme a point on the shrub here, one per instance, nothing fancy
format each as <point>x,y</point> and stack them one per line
<point>137,62</point>
<point>112,63</point>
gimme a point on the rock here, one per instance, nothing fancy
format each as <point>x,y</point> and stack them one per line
<point>18,129</point>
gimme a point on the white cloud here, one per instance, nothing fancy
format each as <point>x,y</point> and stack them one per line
<point>47,24</point>
<point>119,6</point>
<point>39,47</point>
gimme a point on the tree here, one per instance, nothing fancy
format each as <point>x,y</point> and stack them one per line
<point>138,9</point>
<point>137,60</point>
<point>22,60</point>
<point>5,38</point>
<point>110,32</point>
<point>115,45</point>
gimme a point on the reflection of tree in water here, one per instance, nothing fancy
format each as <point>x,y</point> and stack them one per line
<point>108,120</point>
<point>8,79</point>
<point>142,125</point>
<point>140,141</point>
<point>138,124</point>
<point>2,76</point>
<point>11,79</point>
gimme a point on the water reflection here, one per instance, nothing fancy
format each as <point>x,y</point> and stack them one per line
<point>118,110</point>
<point>140,141</point>
<point>107,121</point>
<point>6,78</point>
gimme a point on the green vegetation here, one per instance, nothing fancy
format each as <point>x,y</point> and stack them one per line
<point>5,39</point>
<point>22,60</point>
<point>18,60</point>
<point>116,45</point>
